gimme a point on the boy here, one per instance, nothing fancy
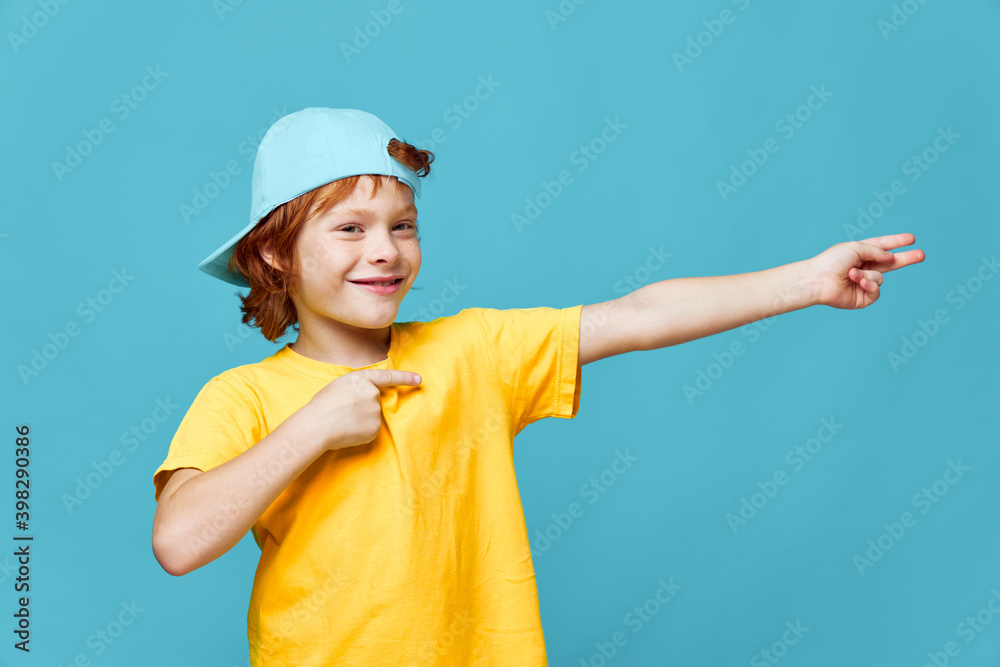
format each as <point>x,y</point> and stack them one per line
<point>372,459</point>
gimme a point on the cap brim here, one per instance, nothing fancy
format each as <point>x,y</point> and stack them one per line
<point>217,264</point>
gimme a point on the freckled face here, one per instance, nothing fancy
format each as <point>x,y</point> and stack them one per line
<point>358,239</point>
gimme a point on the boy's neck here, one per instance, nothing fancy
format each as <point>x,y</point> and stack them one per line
<point>354,349</point>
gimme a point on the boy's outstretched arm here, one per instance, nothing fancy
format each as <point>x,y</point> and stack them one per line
<point>668,312</point>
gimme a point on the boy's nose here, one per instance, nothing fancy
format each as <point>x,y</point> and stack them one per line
<point>383,248</point>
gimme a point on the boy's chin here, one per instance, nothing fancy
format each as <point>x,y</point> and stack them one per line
<point>385,316</point>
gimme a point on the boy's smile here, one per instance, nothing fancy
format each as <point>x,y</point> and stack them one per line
<point>380,284</point>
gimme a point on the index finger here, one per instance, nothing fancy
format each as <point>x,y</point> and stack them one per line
<point>386,377</point>
<point>890,241</point>
<point>899,260</point>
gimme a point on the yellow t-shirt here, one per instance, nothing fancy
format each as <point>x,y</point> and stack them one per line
<point>411,549</point>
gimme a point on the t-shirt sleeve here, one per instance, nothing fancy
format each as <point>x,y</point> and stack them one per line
<point>219,426</point>
<point>534,353</point>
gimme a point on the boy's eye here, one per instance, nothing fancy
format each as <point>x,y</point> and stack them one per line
<point>408,224</point>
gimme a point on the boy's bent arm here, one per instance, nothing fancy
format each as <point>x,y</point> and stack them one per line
<point>210,512</point>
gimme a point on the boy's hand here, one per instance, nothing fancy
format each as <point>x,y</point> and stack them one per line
<point>347,411</point>
<point>848,275</point>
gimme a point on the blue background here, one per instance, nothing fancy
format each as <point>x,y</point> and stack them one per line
<point>228,69</point>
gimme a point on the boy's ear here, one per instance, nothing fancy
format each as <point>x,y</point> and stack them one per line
<point>267,254</point>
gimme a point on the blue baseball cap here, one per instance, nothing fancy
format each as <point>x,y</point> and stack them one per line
<point>302,151</point>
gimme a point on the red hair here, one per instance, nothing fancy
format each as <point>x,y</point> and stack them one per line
<point>269,306</point>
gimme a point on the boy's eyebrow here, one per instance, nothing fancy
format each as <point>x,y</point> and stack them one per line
<point>368,213</point>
